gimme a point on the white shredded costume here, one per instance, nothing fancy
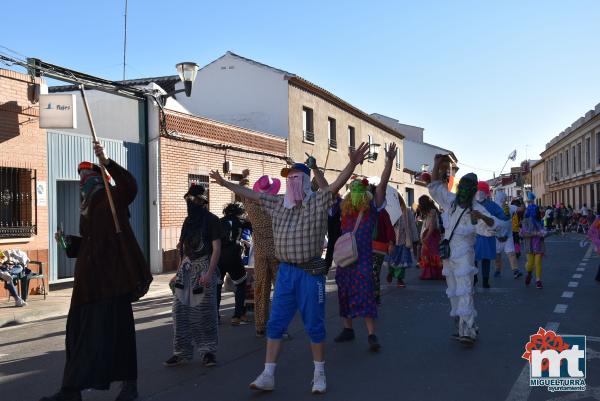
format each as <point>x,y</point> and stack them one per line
<point>460,269</point>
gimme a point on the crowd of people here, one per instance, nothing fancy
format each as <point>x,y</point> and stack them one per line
<point>448,236</point>
<point>564,219</point>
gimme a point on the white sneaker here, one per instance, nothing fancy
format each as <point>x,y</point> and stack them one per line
<point>19,302</point>
<point>319,384</point>
<point>264,382</point>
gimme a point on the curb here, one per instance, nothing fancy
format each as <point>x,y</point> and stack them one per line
<point>37,316</point>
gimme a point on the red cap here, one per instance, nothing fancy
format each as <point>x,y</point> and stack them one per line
<point>483,186</point>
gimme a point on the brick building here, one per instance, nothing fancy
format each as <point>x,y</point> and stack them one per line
<point>190,147</point>
<point>23,171</point>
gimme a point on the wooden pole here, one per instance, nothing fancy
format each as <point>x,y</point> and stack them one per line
<point>95,139</point>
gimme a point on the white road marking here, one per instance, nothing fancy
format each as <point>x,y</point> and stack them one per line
<point>560,308</point>
<point>580,269</point>
<point>567,294</point>
<point>573,284</point>
<point>583,264</point>
<point>577,275</point>
<point>552,326</point>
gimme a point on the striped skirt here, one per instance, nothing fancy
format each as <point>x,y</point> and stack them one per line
<point>195,316</point>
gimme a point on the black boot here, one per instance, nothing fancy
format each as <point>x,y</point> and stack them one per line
<point>598,274</point>
<point>486,282</point>
<point>345,335</point>
<point>128,391</point>
<point>64,395</point>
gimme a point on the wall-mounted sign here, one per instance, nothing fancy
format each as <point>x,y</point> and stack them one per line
<point>58,111</point>
<point>42,193</point>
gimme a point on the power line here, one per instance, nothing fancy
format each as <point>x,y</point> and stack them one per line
<point>476,168</point>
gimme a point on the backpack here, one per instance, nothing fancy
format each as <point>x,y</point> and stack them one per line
<point>227,232</point>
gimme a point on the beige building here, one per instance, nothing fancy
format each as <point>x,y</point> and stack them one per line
<point>245,93</point>
<point>572,163</point>
<point>538,183</point>
<point>326,127</point>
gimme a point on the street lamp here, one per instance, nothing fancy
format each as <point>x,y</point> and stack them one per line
<point>373,151</point>
<point>187,73</point>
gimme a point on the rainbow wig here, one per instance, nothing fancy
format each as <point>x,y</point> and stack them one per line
<point>359,198</point>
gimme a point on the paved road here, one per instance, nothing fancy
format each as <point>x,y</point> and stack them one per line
<point>417,362</point>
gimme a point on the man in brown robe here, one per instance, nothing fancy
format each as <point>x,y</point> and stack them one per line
<point>110,273</point>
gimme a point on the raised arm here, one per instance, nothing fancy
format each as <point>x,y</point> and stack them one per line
<point>390,154</point>
<point>319,177</point>
<point>356,157</point>
<point>237,189</point>
<point>437,163</point>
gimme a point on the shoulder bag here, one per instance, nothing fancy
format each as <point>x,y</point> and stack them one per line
<point>345,251</point>
<point>444,247</point>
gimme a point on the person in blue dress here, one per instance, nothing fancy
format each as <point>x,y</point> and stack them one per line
<point>485,243</point>
<point>356,288</point>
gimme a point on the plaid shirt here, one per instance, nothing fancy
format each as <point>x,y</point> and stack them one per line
<point>299,232</point>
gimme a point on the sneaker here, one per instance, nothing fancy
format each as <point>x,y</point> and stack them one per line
<point>517,274</point>
<point>263,382</point>
<point>239,321</point>
<point>64,395</point>
<point>175,360</point>
<point>128,391</point>
<point>209,359</point>
<point>374,343</point>
<point>538,285</point>
<point>497,273</point>
<point>20,303</point>
<point>319,383</point>
<point>455,336</point>
<point>261,333</point>
<point>400,283</point>
<point>344,336</point>
<point>528,278</point>
<point>389,278</point>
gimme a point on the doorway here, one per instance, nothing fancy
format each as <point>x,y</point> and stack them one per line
<point>67,218</point>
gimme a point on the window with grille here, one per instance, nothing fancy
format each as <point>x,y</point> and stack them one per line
<point>579,163</point>
<point>598,148</point>
<point>351,138</point>
<point>588,153</point>
<point>398,164</point>
<point>307,124</point>
<point>236,178</point>
<point>18,209</point>
<point>198,179</point>
<point>332,135</point>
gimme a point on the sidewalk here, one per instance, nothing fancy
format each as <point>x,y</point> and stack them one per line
<point>57,303</point>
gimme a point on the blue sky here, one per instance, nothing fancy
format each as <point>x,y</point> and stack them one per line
<point>481,77</point>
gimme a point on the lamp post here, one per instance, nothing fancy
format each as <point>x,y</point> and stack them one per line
<point>187,72</point>
<point>373,151</point>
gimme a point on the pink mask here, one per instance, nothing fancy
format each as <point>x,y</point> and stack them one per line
<point>295,187</point>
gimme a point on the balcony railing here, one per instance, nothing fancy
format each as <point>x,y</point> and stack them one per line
<point>309,136</point>
<point>351,148</point>
<point>332,143</point>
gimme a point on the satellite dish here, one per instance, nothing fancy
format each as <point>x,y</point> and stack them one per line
<point>513,155</point>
